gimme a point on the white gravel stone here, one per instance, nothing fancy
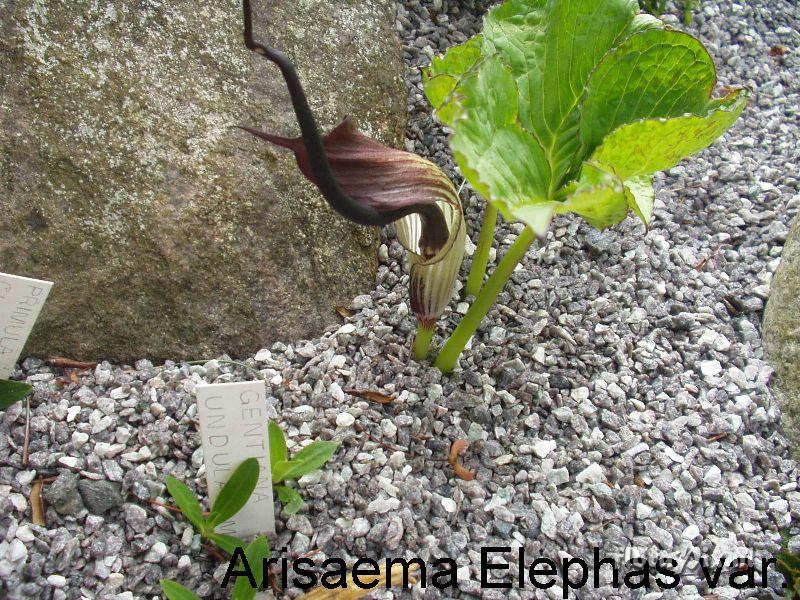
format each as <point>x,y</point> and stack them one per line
<point>542,448</point>
<point>57,581</point>
<point>345,419</point>
<point>449,505</point>
<point>710,368</point>
<point>591,474</point>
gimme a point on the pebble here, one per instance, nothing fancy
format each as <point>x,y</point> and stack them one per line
<point>345,419</point>
<point>591,474</point>
<point>543,448</point>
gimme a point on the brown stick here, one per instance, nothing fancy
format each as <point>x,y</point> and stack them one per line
<point>68,363</point>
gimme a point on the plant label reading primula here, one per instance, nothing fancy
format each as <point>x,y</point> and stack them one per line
<point>21,299</point>
<point>233,428</point>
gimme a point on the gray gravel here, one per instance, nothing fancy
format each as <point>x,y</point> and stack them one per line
<point>616,397</point>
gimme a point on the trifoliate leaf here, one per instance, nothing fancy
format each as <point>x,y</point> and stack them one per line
<point>565,83</point>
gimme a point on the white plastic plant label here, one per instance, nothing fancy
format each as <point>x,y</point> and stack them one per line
<point>233,428</point>
<point>21,300</point>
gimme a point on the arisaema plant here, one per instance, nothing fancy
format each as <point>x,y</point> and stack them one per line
<point>558,106</point>
<point>372,184</point>
<point>569,106</point>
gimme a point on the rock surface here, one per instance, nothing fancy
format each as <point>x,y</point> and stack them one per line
<point>782,334</point>
<point>169,234</point>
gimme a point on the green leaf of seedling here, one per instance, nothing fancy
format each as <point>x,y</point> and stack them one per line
<point>280,470</point>
<point>310,458</point>
<point>227,542</point>
<point>187,502</point>
<point>235,493</point>
<point>175,591</point>
<point>277,444</point>
<point>292,501</point>
<point>255,553</point>
<point>12,392</point>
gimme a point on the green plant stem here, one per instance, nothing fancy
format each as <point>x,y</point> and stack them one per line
<point>422,341</point>
<point>448,357</point>
<point>688,7</point>
<point>481,256</point>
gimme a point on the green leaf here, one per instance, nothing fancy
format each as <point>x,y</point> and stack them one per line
<point>280,470</point>
<point>175,591</point>
<point>643,22</point>
<point>651,145</point>
<point>552,47</point>
<point>186,501</point>
<point>255,552</point>
<point>226,542</point>
<point>559,84</point>
<point>235,493</point>
<point>292,501</point>
<point>307,460</point>
<point>442,78</point>
<point>499,158</point>
<point>599,197</point>
<point>12,392</point>
<point>655,73</point>
<point>277,445</point>
<point>641,197</point>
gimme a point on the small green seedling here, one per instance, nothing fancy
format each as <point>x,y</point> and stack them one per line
<point>232,497</point>
<point>789,567</point>
<point>243,589</point>
<point>305,461</point>
<point>12,391</point>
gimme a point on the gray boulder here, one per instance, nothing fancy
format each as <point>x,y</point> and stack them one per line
<point>781,331</point>
<point>168,233</point>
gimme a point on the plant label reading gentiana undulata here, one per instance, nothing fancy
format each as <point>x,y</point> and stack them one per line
<point>21,299</point>
<point>233,428</point>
